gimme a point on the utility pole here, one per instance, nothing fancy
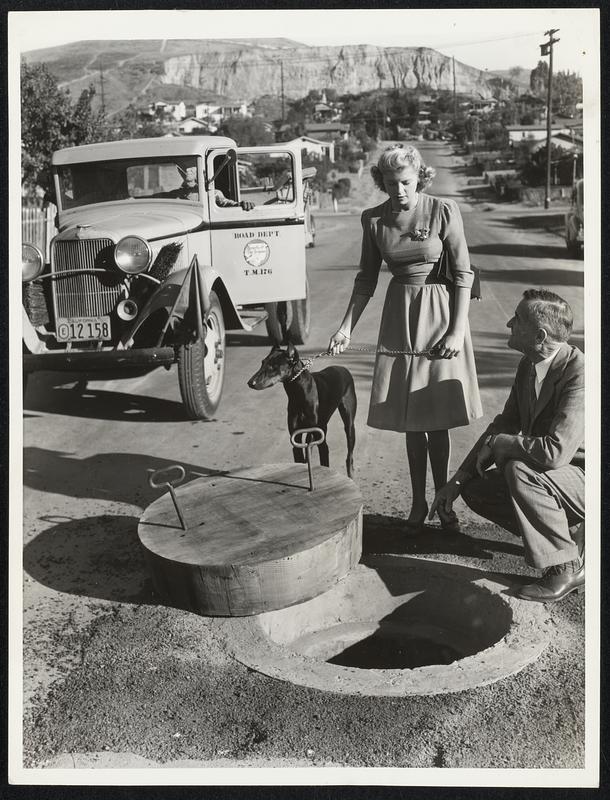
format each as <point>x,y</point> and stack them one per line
<point>454,94</point>
<point>102,86</point>
<point>282,89</point>
<point>546,49</point>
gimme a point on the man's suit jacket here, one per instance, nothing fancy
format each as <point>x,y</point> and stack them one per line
<point>553,435</point>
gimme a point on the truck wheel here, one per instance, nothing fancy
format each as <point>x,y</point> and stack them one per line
<point>201,366</point>
<point>298,328</point>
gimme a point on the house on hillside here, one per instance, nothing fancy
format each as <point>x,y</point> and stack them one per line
<point>173,111</point>
<point>193,125</point>
<point>328,131</point>
<point>316,148</point>
<point>518,134</point>
<point>218,109</point>
<point>482,106</point>
<point>326,111</point>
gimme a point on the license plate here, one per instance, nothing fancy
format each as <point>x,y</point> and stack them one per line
<point>83,329</point>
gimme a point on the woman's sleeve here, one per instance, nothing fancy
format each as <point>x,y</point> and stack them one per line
<point>370,259</point>
<point>454,243</point>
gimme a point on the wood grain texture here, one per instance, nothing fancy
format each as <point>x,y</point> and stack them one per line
<point>256,539</point>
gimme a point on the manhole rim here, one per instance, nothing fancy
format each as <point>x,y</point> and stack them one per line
<point>250,645</point>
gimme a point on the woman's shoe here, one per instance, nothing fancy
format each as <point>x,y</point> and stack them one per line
<point>449,520</point>
<point>415,523</point>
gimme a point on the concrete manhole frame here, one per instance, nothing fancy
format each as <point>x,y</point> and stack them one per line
<point>523,643</point>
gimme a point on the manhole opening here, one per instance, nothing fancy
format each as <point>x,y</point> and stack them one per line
<point>440,622</point>
<point>403,626</point>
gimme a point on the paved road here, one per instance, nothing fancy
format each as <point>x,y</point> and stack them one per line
<point>86,455</point>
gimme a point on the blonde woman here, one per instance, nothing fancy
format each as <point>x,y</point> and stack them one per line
<point>430,384</point>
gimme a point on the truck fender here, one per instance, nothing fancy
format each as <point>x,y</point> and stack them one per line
<point>178,294</point>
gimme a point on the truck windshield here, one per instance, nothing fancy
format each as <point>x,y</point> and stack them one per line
<point>142,178</point>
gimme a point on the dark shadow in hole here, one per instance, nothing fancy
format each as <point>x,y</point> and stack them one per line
<point>117,477</point>
<point>444,618</point>
<point>382,534</point>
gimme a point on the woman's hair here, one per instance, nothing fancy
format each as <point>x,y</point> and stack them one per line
<point>398,156</point>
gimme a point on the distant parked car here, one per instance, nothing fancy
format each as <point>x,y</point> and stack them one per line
<point>575,221</point>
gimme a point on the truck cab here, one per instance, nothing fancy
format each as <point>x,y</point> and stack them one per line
<point>162,245</point>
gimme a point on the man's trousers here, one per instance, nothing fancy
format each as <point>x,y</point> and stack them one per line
<point>545,508</point>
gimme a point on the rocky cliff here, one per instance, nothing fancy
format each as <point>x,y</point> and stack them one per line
<point>249,72</point>
<point>140,70</point>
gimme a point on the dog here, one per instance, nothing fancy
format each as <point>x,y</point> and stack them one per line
<point>313,397</point>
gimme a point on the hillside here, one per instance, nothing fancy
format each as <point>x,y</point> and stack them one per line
<point>246,68</point>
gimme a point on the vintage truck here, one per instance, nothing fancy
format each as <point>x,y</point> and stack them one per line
<point>162,245</point>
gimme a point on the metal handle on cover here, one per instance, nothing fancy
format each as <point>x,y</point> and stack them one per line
<point>155,483</point>
<point>307,444</point>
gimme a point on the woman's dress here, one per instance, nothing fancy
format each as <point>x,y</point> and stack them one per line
<point>418,392</point>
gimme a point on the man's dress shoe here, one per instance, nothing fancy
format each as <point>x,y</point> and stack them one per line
<point>556,583</point>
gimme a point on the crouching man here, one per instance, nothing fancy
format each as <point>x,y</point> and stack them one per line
<point>536,488</point>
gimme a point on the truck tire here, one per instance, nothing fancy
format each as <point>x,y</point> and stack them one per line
<point>201,366</point>
<point>298,328</point>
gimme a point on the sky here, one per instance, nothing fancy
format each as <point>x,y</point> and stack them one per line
<point>487,39</point>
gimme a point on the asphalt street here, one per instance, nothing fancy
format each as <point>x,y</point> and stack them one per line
<point>112,677</point>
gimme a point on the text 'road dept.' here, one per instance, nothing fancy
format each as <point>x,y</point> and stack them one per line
<point>256,252</point>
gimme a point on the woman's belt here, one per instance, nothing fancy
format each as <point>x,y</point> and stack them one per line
<point>418,278</point>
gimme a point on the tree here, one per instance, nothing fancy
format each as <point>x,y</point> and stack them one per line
<point>86,124</point>
<point>50,121</point>
<point>269,107</point>
<point>539,78</point>
<point>246,131</point>
<point>567,92</point>
<point>128,124</point>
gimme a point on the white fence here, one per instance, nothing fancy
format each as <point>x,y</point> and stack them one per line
<point>38,226</point>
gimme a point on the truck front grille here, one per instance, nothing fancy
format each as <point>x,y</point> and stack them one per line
<point>85,294</point>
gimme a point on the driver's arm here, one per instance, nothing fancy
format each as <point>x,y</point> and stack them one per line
<point>226,202</point>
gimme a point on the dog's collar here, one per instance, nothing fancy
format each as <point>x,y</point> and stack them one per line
<point>306,364</point>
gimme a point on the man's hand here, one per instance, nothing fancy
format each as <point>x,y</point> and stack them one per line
<point>247,205</point>
<point>501,449</point>
<point>445,497</point>
<point>485,458</point>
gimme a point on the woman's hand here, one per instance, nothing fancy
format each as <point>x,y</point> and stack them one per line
<point>338,342</point>
<point>450,345</point>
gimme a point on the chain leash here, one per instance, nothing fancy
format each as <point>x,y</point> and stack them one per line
<point>308,361</point>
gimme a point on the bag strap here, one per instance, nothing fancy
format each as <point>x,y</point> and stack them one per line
<point>441,271</point>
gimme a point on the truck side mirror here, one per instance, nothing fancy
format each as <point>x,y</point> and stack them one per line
<point>230,157</point>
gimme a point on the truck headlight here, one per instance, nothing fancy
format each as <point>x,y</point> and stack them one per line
<point>32,262</point>
<point>133,255</point>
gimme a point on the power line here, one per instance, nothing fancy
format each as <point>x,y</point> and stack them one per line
<point>275,61</point>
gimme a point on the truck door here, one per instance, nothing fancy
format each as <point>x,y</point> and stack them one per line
<point>260,253</point>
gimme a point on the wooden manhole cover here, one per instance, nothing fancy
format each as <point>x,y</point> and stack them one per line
<point>256,539</point>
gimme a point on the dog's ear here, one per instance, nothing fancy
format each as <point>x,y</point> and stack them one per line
<point>292,351</point>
